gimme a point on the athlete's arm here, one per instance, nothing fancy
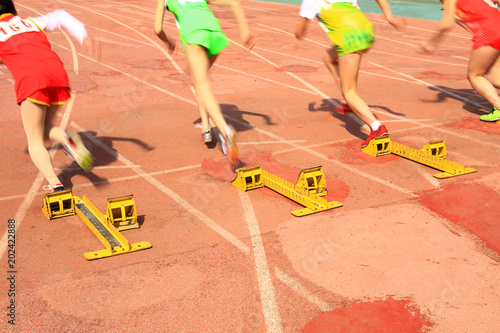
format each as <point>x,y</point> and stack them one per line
<point>239,15</point>
<point>158,25</point>
<point>386,9</point>
<point>301,27</point>
<point>446,23</point>
<point>61,19</point>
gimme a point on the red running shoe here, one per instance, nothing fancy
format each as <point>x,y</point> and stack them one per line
<point>343,108</point>
<point>229,147</point>
<point>381,131</point>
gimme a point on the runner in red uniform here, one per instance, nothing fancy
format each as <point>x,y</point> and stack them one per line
<point>482,19</point>
<point>41,83</point>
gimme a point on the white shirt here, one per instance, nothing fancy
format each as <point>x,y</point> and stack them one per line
<point>312,8</point>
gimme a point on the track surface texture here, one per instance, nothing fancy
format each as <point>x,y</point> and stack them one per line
<point>406,252</point>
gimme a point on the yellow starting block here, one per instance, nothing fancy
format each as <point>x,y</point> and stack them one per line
<point>433,154</point>
<point>58,204</point>
<point>308,190</point>
<point>121,211</point>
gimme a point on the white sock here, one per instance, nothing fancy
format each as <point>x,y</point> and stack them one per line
<point>375,125</point>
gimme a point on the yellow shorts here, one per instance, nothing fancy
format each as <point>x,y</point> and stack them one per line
<point>348,28</point>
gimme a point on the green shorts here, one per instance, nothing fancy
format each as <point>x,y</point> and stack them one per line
<point>213,41</point>
<point>348,28</point>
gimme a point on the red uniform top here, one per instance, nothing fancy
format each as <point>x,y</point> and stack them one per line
<point>483,19</point>
<point>25,50</point>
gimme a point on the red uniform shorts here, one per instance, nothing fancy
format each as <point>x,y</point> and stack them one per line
<point>51,96</point>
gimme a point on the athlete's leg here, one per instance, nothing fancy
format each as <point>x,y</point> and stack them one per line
<point>494,73</point>
<point>348,72</point>
<point>205,120</point>
<point>331,60</point>
<point>199,65</point>
<point>480,61</point>
<point>33,116</point>
<point>52,132</point>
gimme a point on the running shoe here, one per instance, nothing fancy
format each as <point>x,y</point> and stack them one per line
<point>343,108</point>
<point>381,131</point>
<point>207,136</point>
<point>229,146</point>
<point>494,115</point>
<point>58,188</point>
<point>77,151</point>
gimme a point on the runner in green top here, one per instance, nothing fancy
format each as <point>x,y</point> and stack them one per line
<point>203,40</point>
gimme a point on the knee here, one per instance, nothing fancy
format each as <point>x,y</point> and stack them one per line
<point>349,93</point>
<point>35,146</point>
<point>326,58</point>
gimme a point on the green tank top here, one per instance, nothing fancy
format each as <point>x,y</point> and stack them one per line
<point>192,15</point>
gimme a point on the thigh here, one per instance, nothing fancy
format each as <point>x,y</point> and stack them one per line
<point>494,71</point>
<point>198,63</point>
<point>33,116</point>
<point>332,54</point>
<point>482,59</point>
<point>348,70</point>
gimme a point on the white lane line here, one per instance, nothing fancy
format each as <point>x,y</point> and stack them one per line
<point>299,289</point>
<point>419,59</point>
<point>160,48</point>
<point>270,142</point>
<point>425,173</point>
<point>264,79</point>
<point>324,157</point>
<point>105,167</point>
<point>307,84</point>
<point>174,196</point>
<point>118,35</point>
<point>133,77</point>
<point>272,316</point>
<point>112,180</point>
<point>463,99</point>
<point>336,142</point>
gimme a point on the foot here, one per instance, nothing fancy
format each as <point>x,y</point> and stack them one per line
<point>343,108</point>
<point>207,136</point>
<point>380,131</point>
<point>57,188</point>
<point>77,151</point>
<point>494,115</point>
<point>228,145</point>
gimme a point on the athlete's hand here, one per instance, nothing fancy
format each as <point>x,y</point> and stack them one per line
<point>427,48</point>
<point>249,42</point>
<point>398,23</point>
<point>93,47</point>
<point>171,44</point>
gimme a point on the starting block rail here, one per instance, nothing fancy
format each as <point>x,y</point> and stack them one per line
<point>308,190</point>
<point>60,204</point>
<point>433,154</point>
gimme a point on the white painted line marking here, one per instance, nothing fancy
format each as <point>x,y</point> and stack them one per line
<point>174,196</point>
<point>112,180</point>
<point>272,316</point>
<point>270,142</point>
<point>299,289</point>
<point>264,79</point>
<point>463,99</point>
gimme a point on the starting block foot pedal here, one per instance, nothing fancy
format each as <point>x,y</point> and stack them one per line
<point>378,146</point>
<point>248,178</point>
<point>308,211</point>
<point>58,204</point>
<point>121,212</point>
